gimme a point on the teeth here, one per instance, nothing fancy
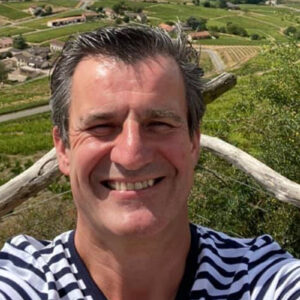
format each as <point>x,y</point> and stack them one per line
<point>130,186</point>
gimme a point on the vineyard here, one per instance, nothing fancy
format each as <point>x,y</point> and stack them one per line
<point>234,56</point>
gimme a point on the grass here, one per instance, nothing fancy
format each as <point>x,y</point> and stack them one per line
<point>12,13</point>
<point>252,26</point>
<point>15,30</point>
<point>64,3</point>
<point>171,12</point>
<point>110,3</point>
<point>41,23</point>
<point>26,136</point>
<point>24,5</point>
<point>40,37</point>
<point>55,3</point>
<point>206,63</point>
<point>228,40</point>
<point>25,95</point>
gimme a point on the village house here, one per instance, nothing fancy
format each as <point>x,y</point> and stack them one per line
<point>56,46</point>
<point>199,35</point>
<point>271,2</point>
<point>167,28</point>
<point>90,15</point>
<point>109,13</point>
<point>140,17</point>
<point>232,6</point>
<point>32,9</point>
<point>6,42</point>
<point>66,21</point>
<point>39,51</point>
<point>36,57</point>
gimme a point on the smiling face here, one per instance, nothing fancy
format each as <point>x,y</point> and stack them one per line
<point>131,158</point>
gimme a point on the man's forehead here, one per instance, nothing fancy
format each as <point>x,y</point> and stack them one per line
<point>102,64</point>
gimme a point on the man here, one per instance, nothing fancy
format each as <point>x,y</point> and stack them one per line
<point>126,104</point>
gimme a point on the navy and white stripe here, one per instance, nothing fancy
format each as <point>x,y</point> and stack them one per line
<point>218,267</point>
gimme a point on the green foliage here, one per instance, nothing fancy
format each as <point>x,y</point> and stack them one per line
<point>280,89</point>
<point>197,24</point>
<point>293,32</point>
<point>235,29</point>
<point>119,7</point>
<point>264,120</point>
<point>19,42</point>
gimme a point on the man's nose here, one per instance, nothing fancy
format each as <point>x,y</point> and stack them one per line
<point>131,149</point>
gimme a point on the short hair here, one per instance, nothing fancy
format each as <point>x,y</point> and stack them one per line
<point>129,44</point>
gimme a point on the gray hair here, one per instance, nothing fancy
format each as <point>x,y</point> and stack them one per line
<point>128,44</point>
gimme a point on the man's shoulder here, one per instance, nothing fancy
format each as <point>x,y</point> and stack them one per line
<point>28,266</point>
<point>251,268</point>
<point>29,245</point>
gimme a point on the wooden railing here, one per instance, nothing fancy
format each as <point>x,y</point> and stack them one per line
<point>45,170</point>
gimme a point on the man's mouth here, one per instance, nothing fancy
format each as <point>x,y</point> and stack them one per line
<point>130,186</point>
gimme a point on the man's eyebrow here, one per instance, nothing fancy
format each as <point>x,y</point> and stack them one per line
<point>151,113</point>
<point>160,113</point>
<point>98,116</point>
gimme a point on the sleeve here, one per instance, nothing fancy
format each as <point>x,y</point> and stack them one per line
<point>274,274</point>
<point>17,273</point>
<point>15,288</point>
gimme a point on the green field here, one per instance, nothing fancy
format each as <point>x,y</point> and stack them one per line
<point>25,95</point>
<point>26,136</point>
<point>13,30</point>
<point>110,3</point>
<point>172,12</point>
<point>24,5</point>
<point>41,23</point>
<point>55,3</point>
<point>46,35</point>
<point>12,13</point>
<point>231,40</point>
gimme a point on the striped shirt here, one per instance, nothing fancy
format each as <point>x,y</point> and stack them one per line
<point>217,267</point>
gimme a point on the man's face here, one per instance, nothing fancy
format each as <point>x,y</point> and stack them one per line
<point>131,158</point>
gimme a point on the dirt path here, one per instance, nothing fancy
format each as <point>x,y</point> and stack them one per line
<point>24,113</point>
<point>216,59</point>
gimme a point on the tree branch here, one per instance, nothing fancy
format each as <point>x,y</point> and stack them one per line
<point>279,186</point>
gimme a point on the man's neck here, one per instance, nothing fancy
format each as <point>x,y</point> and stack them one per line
<point>146,269</point>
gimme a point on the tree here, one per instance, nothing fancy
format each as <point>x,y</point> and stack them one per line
<point>255,37</point>
<point>222,4</point>
<point>206,4</point>
<point>236,29</point>
<point>126,19</point>
<point>119,7</point>
<point>3,72</point>
<point>290,30</point>
<point>48,10</point>
<point>19,42</point>
<point>197,24</point>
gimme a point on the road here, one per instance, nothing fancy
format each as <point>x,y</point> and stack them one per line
<point>24,113</point>
<point>216,59</point>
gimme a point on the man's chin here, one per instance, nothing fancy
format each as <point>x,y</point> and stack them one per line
<point>138,224</point>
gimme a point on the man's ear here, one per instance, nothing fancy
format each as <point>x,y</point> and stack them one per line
<point>196,146</point>
<point>62,152</point>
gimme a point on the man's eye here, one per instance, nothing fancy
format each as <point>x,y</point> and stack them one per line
<point>102,128</point>
<point>160,125</point>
